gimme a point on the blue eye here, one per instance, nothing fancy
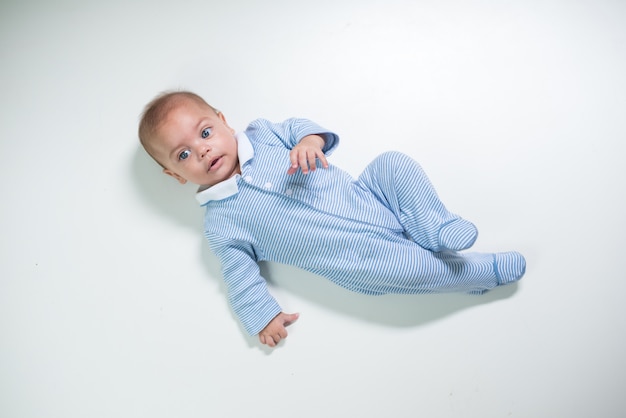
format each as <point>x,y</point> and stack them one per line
<point>184,155</point>
<point>206,132</point>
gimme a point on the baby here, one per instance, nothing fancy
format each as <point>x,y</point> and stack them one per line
<point>270,194</point>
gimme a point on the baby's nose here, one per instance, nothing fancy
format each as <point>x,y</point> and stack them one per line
<point>204,150</point>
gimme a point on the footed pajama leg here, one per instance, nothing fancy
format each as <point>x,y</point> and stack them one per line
<point>400,184</point>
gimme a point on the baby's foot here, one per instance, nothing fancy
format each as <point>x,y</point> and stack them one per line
<point>509,267</point>
<point>457,235</point>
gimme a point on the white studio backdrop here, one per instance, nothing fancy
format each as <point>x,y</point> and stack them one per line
<point>111,303</point>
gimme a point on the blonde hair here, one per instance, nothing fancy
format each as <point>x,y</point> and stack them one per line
<point>156,112</point>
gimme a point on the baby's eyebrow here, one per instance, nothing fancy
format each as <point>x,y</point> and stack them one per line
<point>175,152</point>
<point>202,122</point>
<point>177,149</point>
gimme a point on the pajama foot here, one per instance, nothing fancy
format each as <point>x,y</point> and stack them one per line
<point>457,235</point>
<point>509,267</point>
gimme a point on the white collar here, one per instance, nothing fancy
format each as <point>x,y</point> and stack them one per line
<point>228,187</point>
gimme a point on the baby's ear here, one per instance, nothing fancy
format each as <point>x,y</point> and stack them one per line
<point>223,118</point>
<point>176,176</point>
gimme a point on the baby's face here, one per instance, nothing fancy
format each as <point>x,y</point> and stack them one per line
<point>196,144</point>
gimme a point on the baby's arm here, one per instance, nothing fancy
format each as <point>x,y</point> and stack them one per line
<point>248,294</point>
<point>247,290</point>
<point>306,140</point>
<point>304,154</point>
<point>276,329</point>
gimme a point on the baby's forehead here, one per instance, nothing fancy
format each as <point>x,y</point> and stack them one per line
<point>177,112</point>
<point>186,106</point>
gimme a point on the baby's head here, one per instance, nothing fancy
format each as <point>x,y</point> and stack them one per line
<point>189,138</point>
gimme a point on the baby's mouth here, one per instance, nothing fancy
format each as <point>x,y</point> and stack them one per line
<point>214,162</point>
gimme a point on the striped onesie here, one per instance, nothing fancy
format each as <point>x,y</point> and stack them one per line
<point>385,232</point>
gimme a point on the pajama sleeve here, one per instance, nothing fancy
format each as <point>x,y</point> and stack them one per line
<point>247,290</point>
<point>290,132</point>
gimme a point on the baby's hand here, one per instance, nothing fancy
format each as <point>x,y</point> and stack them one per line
<point>275,330</point>
<point>304,154</point>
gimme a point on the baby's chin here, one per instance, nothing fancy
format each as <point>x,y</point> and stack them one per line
<point>219,175</point>
<point>213,182</point>
<point>202,187</point>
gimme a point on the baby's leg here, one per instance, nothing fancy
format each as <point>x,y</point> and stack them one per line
<point>400,184</point>
<point>444,272</point>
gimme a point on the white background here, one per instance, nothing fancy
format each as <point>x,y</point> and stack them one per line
<point>111,303</point>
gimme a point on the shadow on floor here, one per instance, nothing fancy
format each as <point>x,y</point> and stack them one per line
<point>165,195</point>
<point>391,310</point>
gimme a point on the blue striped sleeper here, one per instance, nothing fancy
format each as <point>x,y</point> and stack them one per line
<point>384,232</point>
